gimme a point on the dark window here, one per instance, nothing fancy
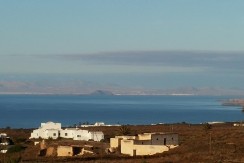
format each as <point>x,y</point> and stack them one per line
<point>54,134</point>
<point>66,134</point>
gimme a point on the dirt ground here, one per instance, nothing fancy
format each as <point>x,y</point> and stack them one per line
<point>217,143</point>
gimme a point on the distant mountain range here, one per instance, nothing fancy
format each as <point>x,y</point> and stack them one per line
<point>81,87</point>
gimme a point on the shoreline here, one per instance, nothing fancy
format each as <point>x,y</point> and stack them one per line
<point>234,102</point>
<point>133,125</point>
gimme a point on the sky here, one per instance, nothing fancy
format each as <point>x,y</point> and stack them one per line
<point>131,43</point>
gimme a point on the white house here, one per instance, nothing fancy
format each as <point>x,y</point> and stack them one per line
<point>78,134</point>
<point>47,130</point>
<point>54,131</point>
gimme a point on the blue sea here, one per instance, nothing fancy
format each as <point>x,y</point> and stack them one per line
<point>28,111</point>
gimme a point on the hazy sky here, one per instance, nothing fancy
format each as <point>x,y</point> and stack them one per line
<point>145,43</point>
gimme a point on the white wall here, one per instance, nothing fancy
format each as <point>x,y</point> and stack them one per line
<point>97,136</point>
<point>76,134</point>
<point>54,134</point>
<point>68,133</point>
<point>86,135</point>
<point>82,135</point>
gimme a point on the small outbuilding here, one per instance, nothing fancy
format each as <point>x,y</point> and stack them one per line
<point>69,150</point>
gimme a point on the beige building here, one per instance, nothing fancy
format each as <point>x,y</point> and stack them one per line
<point>68,150</point>
<point>145,144</point>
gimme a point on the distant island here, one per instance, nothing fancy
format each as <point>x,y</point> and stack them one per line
<point>101,93</point>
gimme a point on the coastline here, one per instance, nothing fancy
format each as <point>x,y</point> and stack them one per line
<point>234,102</point>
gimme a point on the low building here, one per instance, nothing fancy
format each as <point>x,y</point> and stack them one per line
<point>46,131</point>
<point>145,144</point>
<point>78,134</point>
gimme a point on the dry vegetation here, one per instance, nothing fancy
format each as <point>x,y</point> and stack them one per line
<point>227,145</point>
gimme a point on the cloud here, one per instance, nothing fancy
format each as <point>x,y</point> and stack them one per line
<point>128,62</point>
<point>204,59</point>
<point>152,69</point>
